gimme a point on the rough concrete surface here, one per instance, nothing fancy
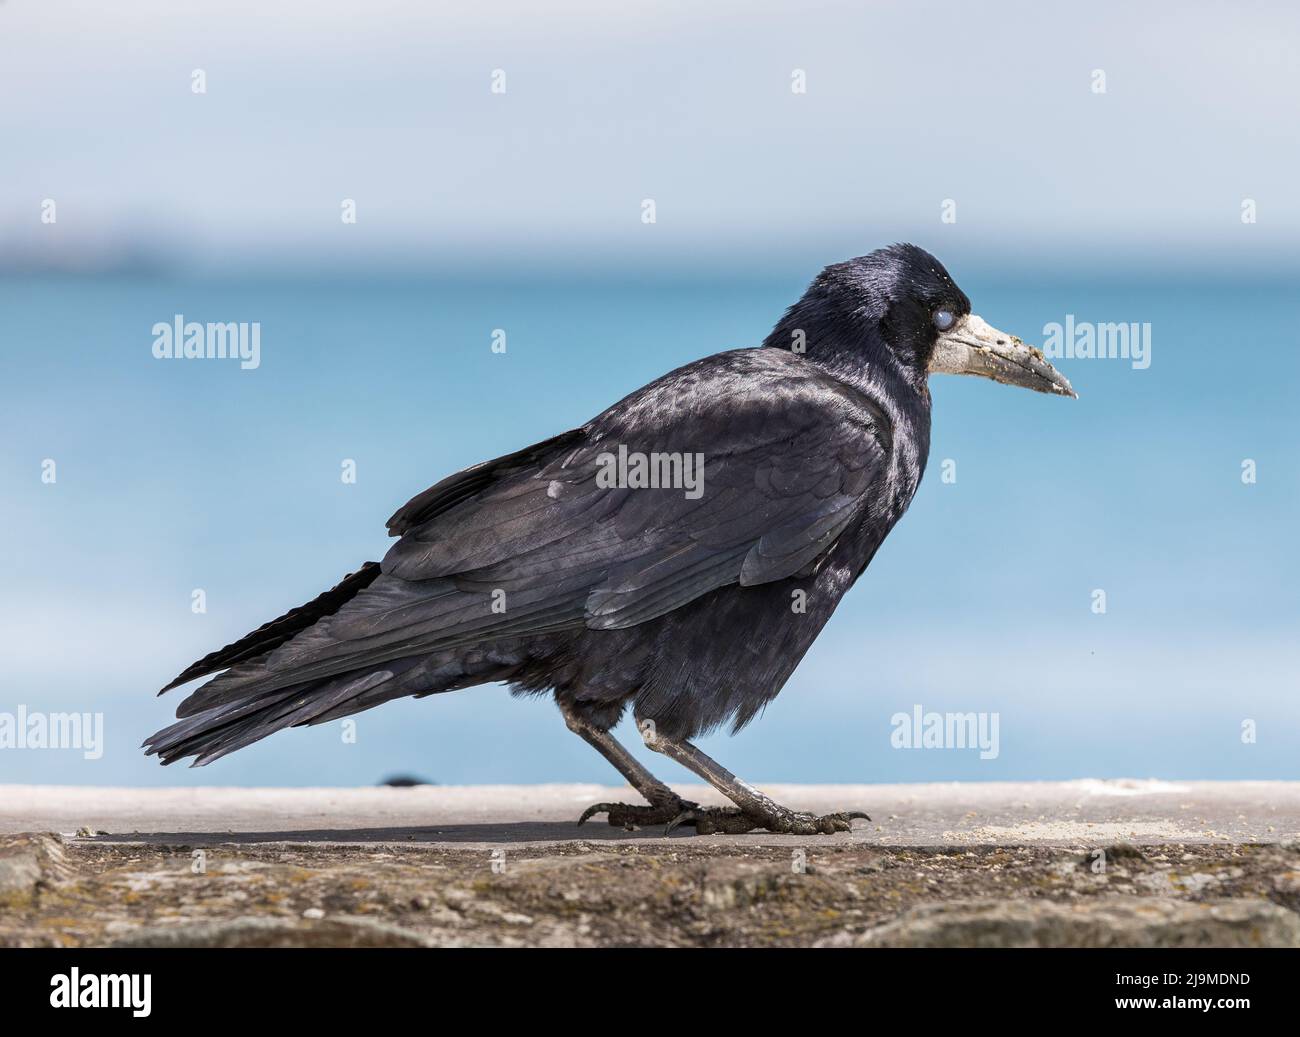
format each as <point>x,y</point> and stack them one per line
<point>1088,863</point>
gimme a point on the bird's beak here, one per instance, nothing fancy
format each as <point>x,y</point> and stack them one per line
<point>973,346</point>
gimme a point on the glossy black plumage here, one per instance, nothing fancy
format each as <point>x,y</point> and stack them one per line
<point>685,608</point>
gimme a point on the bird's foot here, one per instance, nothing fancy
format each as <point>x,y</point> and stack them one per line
<point>734,821</point>
<point>632,816</point>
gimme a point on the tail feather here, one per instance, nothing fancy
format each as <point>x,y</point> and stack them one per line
<point>217,732</point>
<point>212,733</point>
<point>278,631</point>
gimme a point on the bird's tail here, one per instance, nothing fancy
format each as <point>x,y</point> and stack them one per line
<point>278,631</point>
<point>213,725</point>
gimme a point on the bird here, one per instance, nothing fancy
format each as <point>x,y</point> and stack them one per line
<point>677,555</point>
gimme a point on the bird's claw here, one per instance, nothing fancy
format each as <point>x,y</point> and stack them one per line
<point>720,820</point>
<point>708,820</point>
<point>734,821</point>
<point>632,816</point>
<point>597,808</point>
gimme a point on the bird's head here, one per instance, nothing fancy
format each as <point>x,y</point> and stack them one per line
<point>902,299</point>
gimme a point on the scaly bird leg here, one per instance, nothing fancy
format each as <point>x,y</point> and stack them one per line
<point>665,804</point>
<point>752,810</point>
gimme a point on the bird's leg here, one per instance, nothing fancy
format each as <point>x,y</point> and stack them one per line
<point>665,804</point>
<point>752,810</point>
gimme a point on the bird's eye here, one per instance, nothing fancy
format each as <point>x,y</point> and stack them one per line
<point>944,319</point>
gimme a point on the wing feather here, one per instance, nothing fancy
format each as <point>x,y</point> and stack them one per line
<point>790,458</point>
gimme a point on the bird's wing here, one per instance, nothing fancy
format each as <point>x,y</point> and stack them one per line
<point>789,459</point>
<point>462,486</point>
<point>782,463</point>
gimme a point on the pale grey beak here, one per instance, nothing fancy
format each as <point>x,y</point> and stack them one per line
<point>973,346</point>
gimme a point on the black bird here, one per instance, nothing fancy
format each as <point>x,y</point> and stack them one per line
<point>678,554</point>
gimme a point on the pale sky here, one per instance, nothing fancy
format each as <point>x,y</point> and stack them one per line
<point>389,104</point>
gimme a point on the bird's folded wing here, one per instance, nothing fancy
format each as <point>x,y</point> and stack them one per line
<point>775,477</point>
<point>546,543</point>
<point>455,489</point>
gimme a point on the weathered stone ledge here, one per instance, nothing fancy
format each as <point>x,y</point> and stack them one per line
<point>1069,864</point>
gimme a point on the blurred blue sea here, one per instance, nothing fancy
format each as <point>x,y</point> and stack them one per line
<point>175,475</point>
